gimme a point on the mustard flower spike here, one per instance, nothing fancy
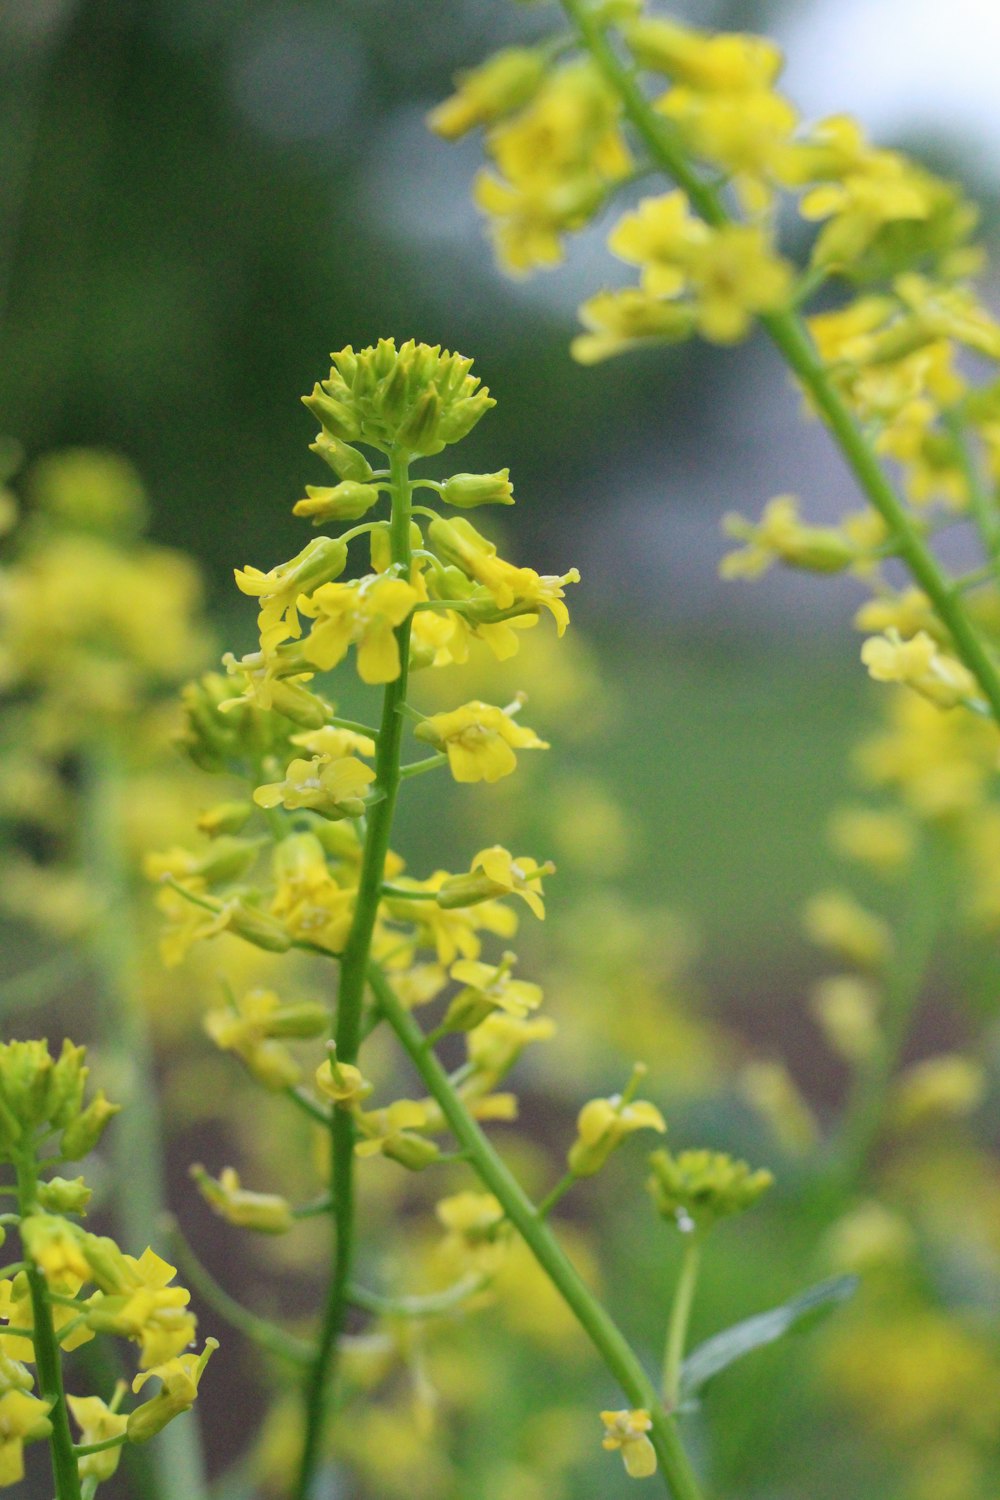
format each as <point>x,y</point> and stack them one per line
<point>625,1432</point>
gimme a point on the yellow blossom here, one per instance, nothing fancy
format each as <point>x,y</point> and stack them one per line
<point>502,84</point>
<point>249,1027</point>
<point>477,1231</point>
<point>780,535</point>
<point>23,1419</point>
<point>486,989</point>
<point>939,1088</point>
<point>625,1432</point>
<point>179,1380</point>
<point>335,788</point>
<point>344,1083</point>
<point>364,613</point>
<point>320,562</point>
<point>479,740</point>
<point>920,664</point>
<point>846,1007</point>
<point>394,1132</point>
<point>884,840</point>
<point>97,1423</point>
<point>834,920</point>
<point>603,1124</point>
<point>267,1212</point>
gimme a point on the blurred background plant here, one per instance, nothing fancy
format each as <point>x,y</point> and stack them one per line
<point>198,202</point>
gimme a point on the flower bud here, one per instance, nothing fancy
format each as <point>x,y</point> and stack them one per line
<point>336,419</point>
<point>345,461</point>
<point>300,705</point>
<point>299,1022</point>
<point>268,1213</point>
<point>82,1134</point>
<point>257,927</point>
<point>414,1152</point>
<point>346,501</point>
<point>60,1195</point>
<point>464,491</point>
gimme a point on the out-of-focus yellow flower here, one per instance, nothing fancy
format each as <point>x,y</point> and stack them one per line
<point>504,83</point>
<point>267,1212</point>
<point>626,1432</point>
<point>869,1238</point>
<point>834,920</point>
<point>781,536</point>
<point>488,988</point>
<point>771,1090</point>
<point>477,1231</point>
<point>939,1088</point>
<point>920,664</point>
<point>884,840</point>
<point>846,1007</point>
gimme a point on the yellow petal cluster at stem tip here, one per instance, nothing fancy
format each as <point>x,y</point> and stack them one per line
<point>625,1432</point>
<point>479,739</point>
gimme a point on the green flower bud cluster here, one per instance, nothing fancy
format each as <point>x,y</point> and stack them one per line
<point>41,1094</point>
<point>416,398</point>
<point>695,1188</point>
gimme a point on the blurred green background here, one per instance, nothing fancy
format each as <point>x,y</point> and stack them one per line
<point>200,198</point>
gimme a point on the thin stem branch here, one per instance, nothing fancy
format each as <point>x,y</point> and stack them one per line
<point>604,1334</point>
<point>350,1001</point>
<point>680,1317</point>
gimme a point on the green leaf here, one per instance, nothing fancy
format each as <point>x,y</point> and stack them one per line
<point>718,1353</point>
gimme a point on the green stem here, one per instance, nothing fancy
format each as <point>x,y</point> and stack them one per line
<point>680,1317</point>
<point>83,1449</point>
<point>790,336</point>
<point>351,994</point>
<point>48,1359</point>
<point>434,1305</point>
<point>604,1334</point>
<point>552,1197</point>
<point>258,1330</point>
<point>136,1140</point>
<point>982,505</point>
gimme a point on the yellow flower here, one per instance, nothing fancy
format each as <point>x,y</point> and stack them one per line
<point>883,840</point>
<point>479,739</point>
<point>97,1422</point>
<point>344,1083</point>
<point>489,988</point>
<point>846,1007</point>
<point>249,1026</point>
<point>662,236</point>
<point>477,1231</point>
<point>55,1247</point>
<point>921,665</point>
<point>138,1301</point>
<point>834,920</point>
<point>625,1432</point>
<point>23,1419</point>
<point>502,84</point>
<point>616,321</point>
<point>324,559</point>
<point>497,1043</point>
<point>335,788</point>
<point>365,614</point>
<point>781,536</point>
<point>458,541</point>
<point>884,189</point>
<point>393,1132</point>
<point>267,1212</point>
<point>451,929</point>
<point>312,905</point>
<point>735,276</point>
<point>603,1124</point>
<point>334,743</point>
<point>748,134</point>
<point>939,1088</point>
<point>724,63</point>
<point>179,1380</point>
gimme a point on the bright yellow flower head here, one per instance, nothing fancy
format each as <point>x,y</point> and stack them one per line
<point>479,739</point>
<point>335,788</point>
<point>625,1432</point>
<point>502,84</point>
<point>363,614</point>
<point>487,989</point>
<point>603,1124</point>
<point>179,1380</point>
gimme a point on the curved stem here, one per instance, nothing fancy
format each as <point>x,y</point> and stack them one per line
<point>350,1000</point>
<point>604,1334</point>
<point>789,334</point>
